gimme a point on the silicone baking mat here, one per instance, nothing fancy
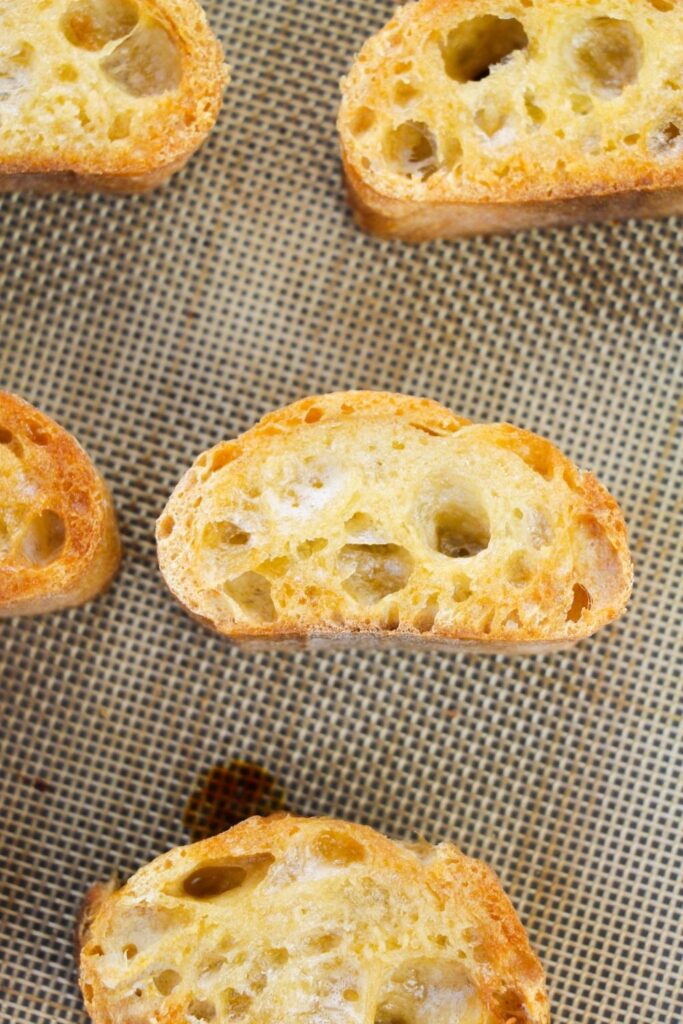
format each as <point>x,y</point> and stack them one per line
<point>153,327</point>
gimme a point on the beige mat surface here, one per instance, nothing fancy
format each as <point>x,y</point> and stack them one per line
<point>154,326</point>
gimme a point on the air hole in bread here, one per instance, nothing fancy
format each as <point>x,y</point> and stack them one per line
<point>324,943</point>
<point>510,1006</point>
<point>425,618</point>
<point>202,1009</point>
<point>252,592</point>
<point>473,49</point>
<point>120,126</point>
<point>166,981</point>
<point>307,548</point>
<point>404,92</point>
<point>372,571</point>
<point>224,534</point>
<point>631,140</point>
<point>214,880</point>
<point>44,537</point>
<point>428,992</point>
<point>6,436</point>
<point>668,140</point>
<point>275,958</point>
<point>662,5</point>
<point>492,120</point>
<point>235,1005</point>
<point>519,568</point>
<point>313,415</point>
<point>462,529</point>
<point>88,992</point>
<point>462,588</point>
<point>581,104</point>
<point>337,848</point>
<point>91,24</point>
<point>93,950</point>
<point>411,149</point>
<point>37,433</point>
<point>130,951</point>
<point>581,601</point>
<point>361,122</point>
<point>166,527</point>
<point>350,995</point>
<point>67,73</point>
<point>606,55</point>
<point>535,113</point>
<point>147,63</point>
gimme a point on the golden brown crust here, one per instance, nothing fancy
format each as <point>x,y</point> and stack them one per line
<point>167,126</point>
<point>59,544</point>
<point>543,562</point>
<point>314,906</point>
<point>612,160</point>
<point>409,221</point>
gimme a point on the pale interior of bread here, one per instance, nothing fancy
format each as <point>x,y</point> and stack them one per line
<point>384,523</point>
<point>473,99</point>
<point>33,532</point>
<point>86,76</point>
<point>323,931</point>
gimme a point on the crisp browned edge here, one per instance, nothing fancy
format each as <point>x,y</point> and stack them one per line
<point>279,637</point>
<point>88,571</point>
<point>457,875</point>
<point>405,220</point>
<point>658,193</point>
<point>205,79</point>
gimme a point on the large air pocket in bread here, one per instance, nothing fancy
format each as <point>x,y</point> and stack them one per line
<point>366,517</point>
<point>467,116</point>
<point>289,920</point>
<point>104,94</point>
<point>59,545</point>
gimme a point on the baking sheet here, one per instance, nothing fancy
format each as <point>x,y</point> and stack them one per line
<point>154,326</point>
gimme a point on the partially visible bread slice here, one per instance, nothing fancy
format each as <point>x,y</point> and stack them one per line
<point>288,920</point>
<point>59,545</point>
<point>109,95</point>
<point>470,116</point>
<point>365,516</point>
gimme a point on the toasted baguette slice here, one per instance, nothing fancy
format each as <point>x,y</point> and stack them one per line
<point>462,117</point>
<point>59,545</point>
<point>287,920</point>
<point>110,95</point>
<point>365,516</point>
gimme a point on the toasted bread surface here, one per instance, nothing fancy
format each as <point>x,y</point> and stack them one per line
<point>59,544</point>
<point>110,95</point>
<point>287,920</point>
<point>376,517</point>
<point>462,116</point>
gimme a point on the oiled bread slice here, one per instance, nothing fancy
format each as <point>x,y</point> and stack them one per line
<point>59,545</point>
<point>366,516</point>
<point>109,95</point>
<point>287,920</point>
<point>468,116</point>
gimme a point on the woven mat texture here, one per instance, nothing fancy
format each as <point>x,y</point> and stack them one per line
<point>154,326</point>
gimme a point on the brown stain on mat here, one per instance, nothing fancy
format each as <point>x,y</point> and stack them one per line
<point>226,794</point>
